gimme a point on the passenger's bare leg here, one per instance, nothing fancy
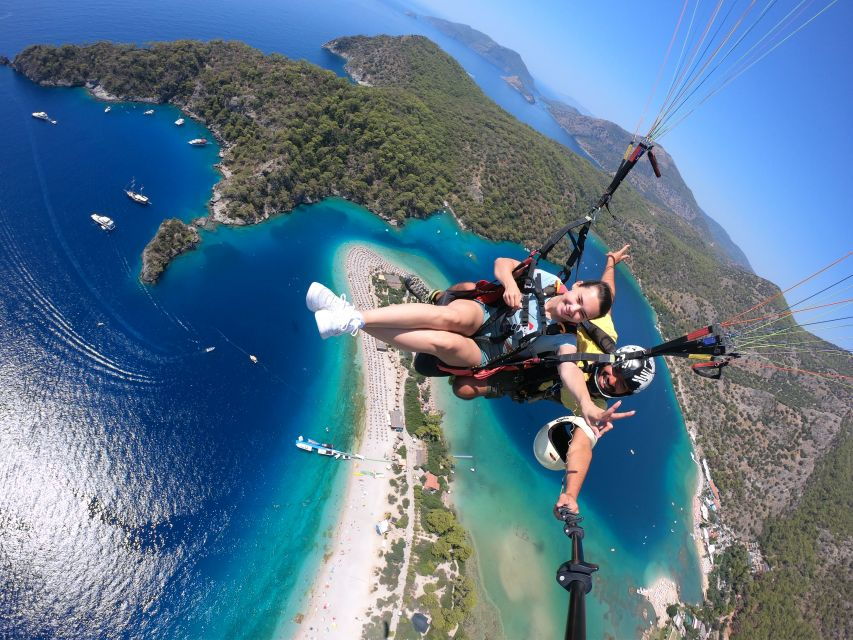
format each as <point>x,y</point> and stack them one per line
<point>464,317</point>
<point>451,348</point>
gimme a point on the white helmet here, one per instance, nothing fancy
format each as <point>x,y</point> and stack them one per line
<point>637,373</point>
<point>551,444</point>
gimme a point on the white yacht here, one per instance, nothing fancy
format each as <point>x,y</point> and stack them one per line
<point>136,196</point>
<point>41,115</point>
<point>108,109</point>
<point>198,142</point>
<point>209,349</point>
<point>179,122</point>
<point>254,359</point>
<point>104,222</point>
<point>150,112</point>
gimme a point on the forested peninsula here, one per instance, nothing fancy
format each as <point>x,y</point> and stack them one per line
<point>416,132</point>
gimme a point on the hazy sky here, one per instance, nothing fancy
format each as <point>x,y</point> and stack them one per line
<point>767,157</point>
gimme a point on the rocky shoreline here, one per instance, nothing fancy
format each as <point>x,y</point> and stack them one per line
<point>516,83</point>
<point>356,73</point>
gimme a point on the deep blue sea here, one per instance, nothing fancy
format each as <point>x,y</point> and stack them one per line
<point>149,488</point>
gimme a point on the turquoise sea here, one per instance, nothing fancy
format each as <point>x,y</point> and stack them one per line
<point>149,488</point>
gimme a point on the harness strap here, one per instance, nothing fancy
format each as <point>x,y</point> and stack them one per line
<point>487,371</point>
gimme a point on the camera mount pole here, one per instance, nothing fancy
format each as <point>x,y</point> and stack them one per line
<point>575,576</point>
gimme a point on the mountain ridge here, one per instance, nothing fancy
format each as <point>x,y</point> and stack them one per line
<point>605,141</point>
<point>509,61</point>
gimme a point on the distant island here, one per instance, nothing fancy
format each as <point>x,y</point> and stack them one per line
<point>509,61</point>
<point>416,133</point>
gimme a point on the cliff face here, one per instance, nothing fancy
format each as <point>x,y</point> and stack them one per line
<point>605,142</point>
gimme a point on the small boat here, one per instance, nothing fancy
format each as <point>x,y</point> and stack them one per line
<point>632,451</point>
<point>150,112</point>
<point>325,452</point>
<point>108,109</point>
<point>137,197</point>
<point>179,122</point>
<point>254,359</point>
<point>209,349</point>
<point>41,115</point>
<point>198,142</point>
<point>103,221</point>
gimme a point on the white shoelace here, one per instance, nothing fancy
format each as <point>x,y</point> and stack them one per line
<point>355,323</point>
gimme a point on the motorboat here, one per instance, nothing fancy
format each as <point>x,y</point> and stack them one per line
<point>179,122</point>
<point>150,112</point>
<point>41,115</point>
<point>198,142</point>
<point>104,222</point>
<point>108,109</point>
<point>209,349</point>
<point>254,359</point>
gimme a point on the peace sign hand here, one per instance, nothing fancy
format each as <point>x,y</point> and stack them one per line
<point>620,255</point>
<point>601,420</point>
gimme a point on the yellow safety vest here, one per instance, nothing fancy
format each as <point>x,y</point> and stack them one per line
<point>587,345</point>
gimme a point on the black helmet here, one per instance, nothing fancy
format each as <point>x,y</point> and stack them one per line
<point>637,373</point>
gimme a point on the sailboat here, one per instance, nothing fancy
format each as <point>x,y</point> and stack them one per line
<point>136,196</point>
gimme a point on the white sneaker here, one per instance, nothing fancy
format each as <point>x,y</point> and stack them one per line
<point>338,322</point>
<point>321,297</point>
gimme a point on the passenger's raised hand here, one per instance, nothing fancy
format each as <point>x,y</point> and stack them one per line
<point>619,256</point>
<point>601,420</point>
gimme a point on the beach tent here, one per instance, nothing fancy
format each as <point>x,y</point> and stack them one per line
<point>420,622</point>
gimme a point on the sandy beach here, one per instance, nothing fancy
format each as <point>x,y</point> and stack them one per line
<point>662,593</point>
<point>346,586</point>
<point>704,561</point>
